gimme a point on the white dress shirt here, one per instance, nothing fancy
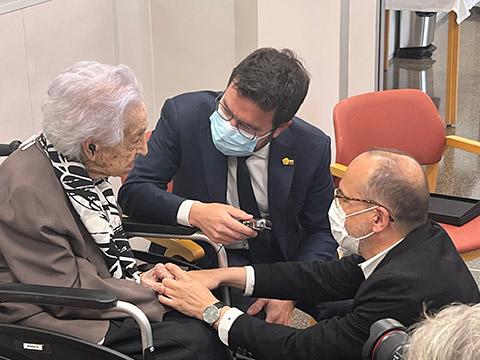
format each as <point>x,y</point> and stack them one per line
<point>258,167</point>
<point>368,267</point>
<point>371,264</point>
<point>232,314</point>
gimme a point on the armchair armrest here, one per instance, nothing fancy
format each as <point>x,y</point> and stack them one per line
<point>172,242</point>
<point>55,295</point>
<point>460,142</point>
<point>338,169</point>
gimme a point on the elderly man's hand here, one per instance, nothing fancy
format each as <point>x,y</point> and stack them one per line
<point>278,311</point>
<point>153,277</point>
<point>184,293</point>
<point>209,278</point>
<point>220,222</point>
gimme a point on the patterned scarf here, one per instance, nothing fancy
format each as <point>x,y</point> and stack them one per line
<point>95,203</point>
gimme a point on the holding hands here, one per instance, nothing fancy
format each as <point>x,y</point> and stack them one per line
<point>189,293</point>
<point>185,292</point>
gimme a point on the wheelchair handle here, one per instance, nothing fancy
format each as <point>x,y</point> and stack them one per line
<point>7,149</point>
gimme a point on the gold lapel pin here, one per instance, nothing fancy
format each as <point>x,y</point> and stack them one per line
<point>288,162</point>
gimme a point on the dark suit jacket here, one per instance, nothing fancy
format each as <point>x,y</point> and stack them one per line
<point>423,270</point>
<point>181,148</point>
<point>43,241</point>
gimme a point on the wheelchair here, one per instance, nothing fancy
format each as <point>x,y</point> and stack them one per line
<point>26,343</point>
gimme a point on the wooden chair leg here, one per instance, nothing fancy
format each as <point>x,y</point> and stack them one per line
<point>431,172</point>
<point>452,70</point>
<point>386,40</point>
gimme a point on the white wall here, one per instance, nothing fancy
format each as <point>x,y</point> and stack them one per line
<point>42,40</point>
<point>193,45</point>
<point>362,46</point>
<point>178,46</point>
<point>310,28</point>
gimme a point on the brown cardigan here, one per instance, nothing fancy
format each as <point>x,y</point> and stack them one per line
<point>42,241</point>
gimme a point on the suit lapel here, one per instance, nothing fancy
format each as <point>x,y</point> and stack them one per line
<point>280,173</point>
<point>214,164</point>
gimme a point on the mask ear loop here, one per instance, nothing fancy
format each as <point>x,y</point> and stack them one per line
<point>361,211</point>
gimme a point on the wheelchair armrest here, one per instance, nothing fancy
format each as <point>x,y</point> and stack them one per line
<point>7,149</point>
<point>55,295</point>
<point>135,228</point>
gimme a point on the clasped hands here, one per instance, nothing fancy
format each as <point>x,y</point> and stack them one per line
<point>190,292</point>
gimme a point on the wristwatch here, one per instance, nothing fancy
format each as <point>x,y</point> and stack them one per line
<point>212,313</point>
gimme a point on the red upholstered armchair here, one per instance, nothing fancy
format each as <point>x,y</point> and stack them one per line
<point>406,120</point>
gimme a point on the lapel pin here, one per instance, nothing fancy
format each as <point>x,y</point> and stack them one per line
<point>288,162</point>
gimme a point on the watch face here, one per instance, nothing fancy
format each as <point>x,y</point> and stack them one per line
<point>211,314</point>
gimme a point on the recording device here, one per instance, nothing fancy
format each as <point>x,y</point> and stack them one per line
<point>258,224</point>
<point>92,148</point>
<point>388,340</point>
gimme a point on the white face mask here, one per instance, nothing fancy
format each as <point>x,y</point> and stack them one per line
<point>337,219</point>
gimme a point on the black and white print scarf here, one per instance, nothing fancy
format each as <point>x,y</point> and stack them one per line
<point>94,201</point>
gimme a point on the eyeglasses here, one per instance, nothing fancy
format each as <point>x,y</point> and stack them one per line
<point>337,194</point>
<point>245,130</point>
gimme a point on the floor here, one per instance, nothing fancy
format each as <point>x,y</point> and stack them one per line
<point>459,170</point>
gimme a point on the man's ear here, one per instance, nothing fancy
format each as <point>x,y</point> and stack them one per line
<point>281,128</point>
<point>382,219</point>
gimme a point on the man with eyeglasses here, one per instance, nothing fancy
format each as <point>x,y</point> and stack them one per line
<point>237,155</point>
<point>402,266</point>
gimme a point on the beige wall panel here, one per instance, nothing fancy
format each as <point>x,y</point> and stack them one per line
<point>311,29</point>
<point>193,45</point>
<point>246,27</point>
<point>363,17</point>
<point>15,118</point>
<point>135,46</point>
<point>61,32</point>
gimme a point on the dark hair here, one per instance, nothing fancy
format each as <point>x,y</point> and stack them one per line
<point>391,185</point>
<point>274,80</point>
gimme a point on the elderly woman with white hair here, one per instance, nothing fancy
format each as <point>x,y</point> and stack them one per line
<point>452,334</point>
<point>59,221</point>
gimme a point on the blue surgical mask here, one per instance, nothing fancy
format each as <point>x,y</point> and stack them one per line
<point>228,140</point>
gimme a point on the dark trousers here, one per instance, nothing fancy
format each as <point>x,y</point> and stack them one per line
<point>178,337</point>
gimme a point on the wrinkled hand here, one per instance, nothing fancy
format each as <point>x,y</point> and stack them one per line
<point>153,277</point>
<point>220,222</point>
<point>184,293</point>
<point>278,311</point>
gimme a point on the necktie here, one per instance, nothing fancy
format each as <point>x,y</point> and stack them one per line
<point>260,248</point>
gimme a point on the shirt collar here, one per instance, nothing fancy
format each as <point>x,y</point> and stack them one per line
<point>369,266</point>
<point>263,152</point>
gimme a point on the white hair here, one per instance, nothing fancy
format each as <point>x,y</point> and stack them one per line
<point>452,334</point>
<point>88,101</point>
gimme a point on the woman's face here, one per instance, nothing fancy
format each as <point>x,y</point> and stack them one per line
<point>118,160</point>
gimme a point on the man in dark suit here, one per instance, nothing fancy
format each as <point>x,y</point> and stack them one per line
<point>239,154</point>
<point>403,264</point>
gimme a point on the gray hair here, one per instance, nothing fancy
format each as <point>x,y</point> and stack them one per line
<point>88,101</point>
<point>400,185</point>
<point>453,334</point>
